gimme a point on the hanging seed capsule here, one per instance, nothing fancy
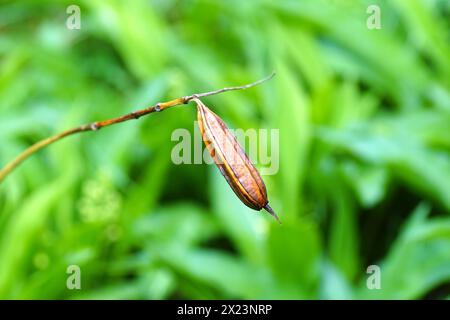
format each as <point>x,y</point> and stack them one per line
<point>232,160</point>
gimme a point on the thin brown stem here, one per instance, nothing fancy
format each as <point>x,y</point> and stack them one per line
<point>105,123</point>
<point>200,95</point>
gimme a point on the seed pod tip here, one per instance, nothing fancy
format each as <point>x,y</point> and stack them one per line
<point>270,210</point>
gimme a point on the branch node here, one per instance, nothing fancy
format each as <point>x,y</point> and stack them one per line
<point>135,115</point>
<point>158,107</point>
<point>186,99</point>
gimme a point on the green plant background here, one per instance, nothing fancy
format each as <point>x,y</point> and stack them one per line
<point>364,176</point>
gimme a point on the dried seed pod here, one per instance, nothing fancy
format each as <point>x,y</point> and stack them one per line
<point>232,160</point>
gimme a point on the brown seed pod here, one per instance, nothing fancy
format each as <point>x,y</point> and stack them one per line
<point>232,160</point>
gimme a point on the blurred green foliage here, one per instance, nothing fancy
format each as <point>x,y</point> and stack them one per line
<point>364,119</point>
